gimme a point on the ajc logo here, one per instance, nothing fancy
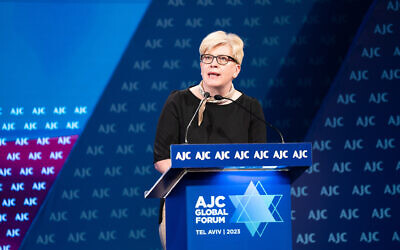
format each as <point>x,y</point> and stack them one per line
<point>256,209</point>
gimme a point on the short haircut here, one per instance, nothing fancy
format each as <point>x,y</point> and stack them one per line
<point>222,38</point>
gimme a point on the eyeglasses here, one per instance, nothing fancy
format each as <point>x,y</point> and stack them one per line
<point>221,59</point>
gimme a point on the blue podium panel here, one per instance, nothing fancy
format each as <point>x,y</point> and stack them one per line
<point>279,155</point>
<point>230,196</point>
<point>230,210</point>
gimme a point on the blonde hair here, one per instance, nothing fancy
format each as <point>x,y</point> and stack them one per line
<point>222,38</point>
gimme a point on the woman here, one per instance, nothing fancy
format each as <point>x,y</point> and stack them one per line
<point>218,121</point>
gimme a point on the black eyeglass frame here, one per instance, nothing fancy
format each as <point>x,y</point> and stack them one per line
<point>216,58</point>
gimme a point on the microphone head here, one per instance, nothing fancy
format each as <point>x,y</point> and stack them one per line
<point>218,97</point>
<point>206,95</point>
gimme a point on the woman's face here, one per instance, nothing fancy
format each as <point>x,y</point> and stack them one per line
<point>216,76</point>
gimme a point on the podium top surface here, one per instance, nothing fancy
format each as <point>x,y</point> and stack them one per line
<point>270,155</point>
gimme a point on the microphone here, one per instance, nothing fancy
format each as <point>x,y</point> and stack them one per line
<point>219,97</point>
<point>206,95</point>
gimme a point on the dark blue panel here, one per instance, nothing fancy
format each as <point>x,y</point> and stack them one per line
<point>349,198</point>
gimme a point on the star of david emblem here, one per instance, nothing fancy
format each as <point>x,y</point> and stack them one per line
<point>256,209</point>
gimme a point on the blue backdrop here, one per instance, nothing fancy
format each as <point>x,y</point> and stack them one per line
<point>325,71</point>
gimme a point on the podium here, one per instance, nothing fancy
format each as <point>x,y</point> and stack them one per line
<point>230,196</point>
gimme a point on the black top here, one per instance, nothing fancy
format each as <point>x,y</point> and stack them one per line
<point>228,123</point>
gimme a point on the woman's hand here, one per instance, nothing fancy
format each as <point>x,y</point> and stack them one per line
<point>163,165</point>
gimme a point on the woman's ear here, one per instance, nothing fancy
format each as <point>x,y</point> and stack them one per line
<point>238,67</point>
